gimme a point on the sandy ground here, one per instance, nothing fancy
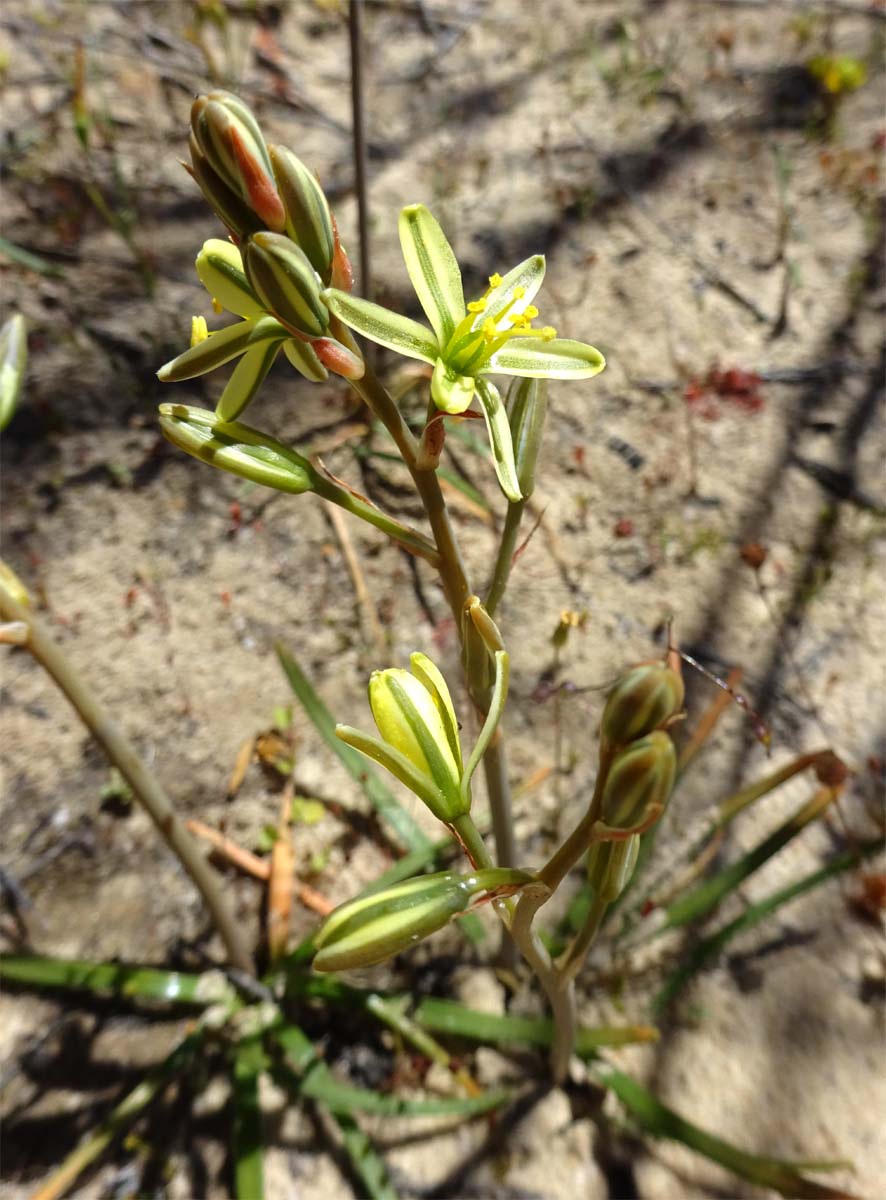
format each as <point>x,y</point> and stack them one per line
<point>640,148</point>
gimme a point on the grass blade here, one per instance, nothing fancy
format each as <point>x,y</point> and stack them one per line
<point>711,946</point>
<point>378,794</point>
<point>447,1016</point>
<point>28,259</point>
<point>708,895</point>
<point>120,1118</point>
<point>662,1122</point>
<point>367,1163</point>
<point>116,979</point>
<point>247,1150</point>
<point>313,1079</point>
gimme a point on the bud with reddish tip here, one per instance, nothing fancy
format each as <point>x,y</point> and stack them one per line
<point>231,143</point>
<point>369,929</point>
<point>282,277</point>
<point>639,783</point>
<point>643,699</point>
<point>308,219</point>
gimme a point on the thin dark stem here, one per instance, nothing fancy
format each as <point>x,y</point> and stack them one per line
<point>145,785</point>
<point>355,31</point>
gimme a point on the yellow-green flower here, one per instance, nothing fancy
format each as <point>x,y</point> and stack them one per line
<point>492,335</point>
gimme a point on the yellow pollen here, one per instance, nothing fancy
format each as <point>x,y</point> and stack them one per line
<point>519,293</point>
<point>199,332</point>
<point>549,333</point>
<point>495,280</point>
<point>477,306</point>
<point>520,321</point>
<point>489,329</point>
<point>530,311</point>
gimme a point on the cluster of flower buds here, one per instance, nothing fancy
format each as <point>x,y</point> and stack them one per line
<point>638,767</point>
<point>284,251</point>
<point>369,929</point>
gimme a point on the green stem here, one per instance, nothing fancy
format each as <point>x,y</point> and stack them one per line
<point>410,539</point>
<point>145,785</point>
<point>575,956</point>
<point>505,559</point>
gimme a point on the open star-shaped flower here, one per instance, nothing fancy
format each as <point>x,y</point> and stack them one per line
<point>493,335</point>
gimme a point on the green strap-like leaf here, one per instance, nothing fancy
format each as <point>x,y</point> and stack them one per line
<point>220,347</point>
<point>433,270</point>
<point>116,979</point>
<point>499,438</point>
<point>382,326</point>
<point>534,358</point>
<point>660,1121</point>
<point>246,378</point>
<point>249,1062</point>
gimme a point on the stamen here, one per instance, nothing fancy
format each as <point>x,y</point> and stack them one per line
<point>530,311</point>
<point>495,280</point>
<point>477,306</point>
<point>549,333</point>
<point>199,332</point>
<point>519,293</point>
<point>489,330</point>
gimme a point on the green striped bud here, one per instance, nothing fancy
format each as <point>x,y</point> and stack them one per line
<point>308,219</point>
<point>639,782</point>
<point>611,865</point>
<point>224,201</point>
<point>527,407</point>
<point>13,360</point>
<point>220,270</point>
<point>369,929</point>
<point>236,448</point>
<point>643,699</point>
<point>283,279</point>
<point>415,716</point>
<point>230,141</point>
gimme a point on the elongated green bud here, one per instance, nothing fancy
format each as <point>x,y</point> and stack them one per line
<point>13,360</point>
<point>369,929</point>
<point>639,782</point>
<point>236,448</point>
<point>308,219</point>
<point>643,699</point>
<point>220,270</point>
<point>611,865</point>
<point>282,277</point>
<point>527,407</point>
<point>414,715</point>
<point>232,144</point>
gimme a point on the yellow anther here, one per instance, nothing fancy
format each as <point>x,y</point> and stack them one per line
<point>520,321</point>
<point>217,306</point>
<point>477,306</point>
<point>530,312</point>
<point>549,333</point>
<point>199,332</point>
<point>519,293</point>
<point>489,330</point>
<point>495,280</point>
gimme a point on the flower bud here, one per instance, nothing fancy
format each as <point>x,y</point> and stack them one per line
<point>527,408</point>
<point>220,347</point>
<point>414,715</point>
<point>369,929</point>
<point>611,865</point>
<point>639,782</point>
<point>643,699</point>
<point>220,270</point>
<point>286,284</point>
<point>224,201</point>
<point>236,448</point>
<point>231,142</point>
<point>308,219</point>
<point>13,360</point>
